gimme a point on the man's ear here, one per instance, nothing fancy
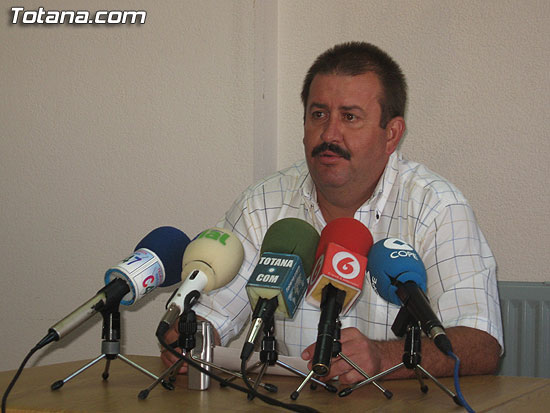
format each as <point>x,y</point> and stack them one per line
<point>394,132</point>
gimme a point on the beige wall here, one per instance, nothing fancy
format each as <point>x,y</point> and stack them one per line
<point>107,132</point>
<point>479,95</point>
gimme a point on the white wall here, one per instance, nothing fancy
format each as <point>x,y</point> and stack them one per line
<point>107,132</point>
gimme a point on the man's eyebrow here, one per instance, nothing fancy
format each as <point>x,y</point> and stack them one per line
<point>352,107</point>
<point>317,105</point>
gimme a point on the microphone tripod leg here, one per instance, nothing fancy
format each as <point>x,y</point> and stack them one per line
<point>347,391</point>
<point>173,374</point>
<point>329,387</point>
<point>296,393</point>
<point>258,380</point>
<point>140,368</point>
<point>235,375</point>
<point>439,384</point>
<point>386,392</point>
<point>167,385</point>
<point>58,384</point>
<point>423,386</point>
<point>269,387</point>
<point>105,374</point>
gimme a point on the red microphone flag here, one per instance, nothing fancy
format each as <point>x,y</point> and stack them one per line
<point>340,260</point>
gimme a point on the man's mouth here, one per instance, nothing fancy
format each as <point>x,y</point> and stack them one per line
<point>330,151</point>
<point>329,154</point>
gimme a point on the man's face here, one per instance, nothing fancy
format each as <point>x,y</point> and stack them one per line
<point>345,146</point>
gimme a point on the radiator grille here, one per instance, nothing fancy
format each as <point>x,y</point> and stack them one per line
<point>526,322</point>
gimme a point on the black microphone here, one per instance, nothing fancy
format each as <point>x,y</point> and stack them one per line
<point>337,281</point>
<point>331,303</point>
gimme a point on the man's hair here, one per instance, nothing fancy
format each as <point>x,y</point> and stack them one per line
<point>357,58</point>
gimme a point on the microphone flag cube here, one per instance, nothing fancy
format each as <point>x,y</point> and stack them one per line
<point>280,275</point>
<point>342,268</point>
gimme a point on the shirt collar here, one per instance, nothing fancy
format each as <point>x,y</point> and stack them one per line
<point>383,188</point>
<point>308,186</point>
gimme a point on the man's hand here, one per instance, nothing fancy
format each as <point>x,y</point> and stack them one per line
<point>477,350</point>
<point>166,356</point>
<point>361,350</point>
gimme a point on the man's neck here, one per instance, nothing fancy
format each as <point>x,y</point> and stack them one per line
<point>339,203</point>
<point>344,201</point>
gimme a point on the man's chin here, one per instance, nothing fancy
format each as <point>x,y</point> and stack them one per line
<point>329,177</point>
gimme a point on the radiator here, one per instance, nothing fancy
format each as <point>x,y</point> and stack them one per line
<point>526,322</point>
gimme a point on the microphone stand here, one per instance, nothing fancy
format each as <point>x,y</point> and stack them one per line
<point>337,352</point>
<point>331,304</point>
<point>405,324</point>
<point>269,357</point>
<point>110,345</point>
<point>188,327</point>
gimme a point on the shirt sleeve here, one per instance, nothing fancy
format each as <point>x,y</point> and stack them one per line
<point>461,272</point>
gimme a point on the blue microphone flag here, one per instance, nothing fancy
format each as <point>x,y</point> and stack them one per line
<point>390,261</point>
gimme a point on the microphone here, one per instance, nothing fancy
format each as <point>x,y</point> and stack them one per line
<point>156,262</point>
<point>340,260</point>
<point>398,275</point>
<point>279,280</point>
<point>337,281</point>
<point>210,261</point>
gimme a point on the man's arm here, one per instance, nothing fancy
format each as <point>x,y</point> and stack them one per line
<point>478,353</point>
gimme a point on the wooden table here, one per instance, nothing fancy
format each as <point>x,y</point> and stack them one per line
<point>89,392</point>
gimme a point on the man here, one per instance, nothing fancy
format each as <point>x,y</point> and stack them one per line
<point>354,98</point>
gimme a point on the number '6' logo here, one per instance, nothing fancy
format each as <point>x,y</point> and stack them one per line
<point>345,265</point>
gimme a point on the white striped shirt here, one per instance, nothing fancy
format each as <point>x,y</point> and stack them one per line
<point>410,202</point>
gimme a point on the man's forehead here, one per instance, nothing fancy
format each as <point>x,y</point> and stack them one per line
<point>350,91</point>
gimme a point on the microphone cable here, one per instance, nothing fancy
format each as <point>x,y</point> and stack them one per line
<point>51,336</point>
<point>457,384</point>
<point>289,406</point>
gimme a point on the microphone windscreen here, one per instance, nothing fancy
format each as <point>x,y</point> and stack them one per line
<point>348,233</point>
<point>215,250</point>
<point>169,244</point>
<point>292,236</point>
<point>390,261</point>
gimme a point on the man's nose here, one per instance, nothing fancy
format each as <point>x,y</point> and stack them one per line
<point>332,132</point>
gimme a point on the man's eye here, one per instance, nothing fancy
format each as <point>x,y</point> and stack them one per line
<point>317,114</point>
<point>350,117</point>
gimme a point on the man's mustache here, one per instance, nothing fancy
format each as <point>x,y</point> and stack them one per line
<point>332,148</point>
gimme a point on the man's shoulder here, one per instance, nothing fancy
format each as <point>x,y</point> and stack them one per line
<point>419,180</point>
<point>277,196</point>
<point>290,178</point>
